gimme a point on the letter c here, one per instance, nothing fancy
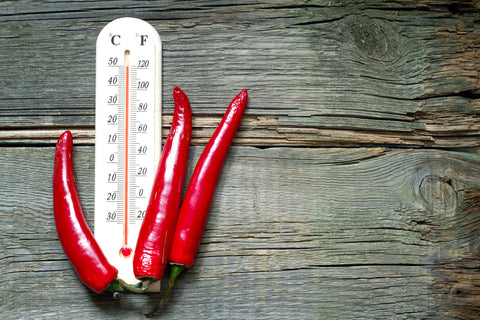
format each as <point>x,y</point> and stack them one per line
<point>113,40</point>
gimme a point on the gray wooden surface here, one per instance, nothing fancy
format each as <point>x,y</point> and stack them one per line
<point>344,196</point>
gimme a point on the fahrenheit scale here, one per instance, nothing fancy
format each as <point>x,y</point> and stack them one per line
<point>127,135</point>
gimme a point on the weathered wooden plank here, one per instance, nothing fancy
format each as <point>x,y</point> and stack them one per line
<point>293,233</point>
<point>451,123</point>
<point>365,73</point>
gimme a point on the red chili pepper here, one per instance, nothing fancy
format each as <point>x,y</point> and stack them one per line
<point>76,238</point>
<point>193,213</point>
<point>156,233</point>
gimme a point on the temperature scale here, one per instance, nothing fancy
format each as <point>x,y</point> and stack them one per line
<point>127,135</point>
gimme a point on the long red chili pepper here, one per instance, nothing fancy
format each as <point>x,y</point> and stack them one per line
<point>193,213</point>
<point>76,238</point>
<point>156,233</point>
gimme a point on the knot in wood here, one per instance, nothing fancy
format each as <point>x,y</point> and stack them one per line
<point>374,39</point>
<point>456,292</point>
<point>438,195</point>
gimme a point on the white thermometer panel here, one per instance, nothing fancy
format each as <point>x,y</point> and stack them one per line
<point>127,135</point>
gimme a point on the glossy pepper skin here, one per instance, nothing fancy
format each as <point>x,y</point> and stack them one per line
<point>157,229</point>
<point>193,213</point>
<point>76,238</point>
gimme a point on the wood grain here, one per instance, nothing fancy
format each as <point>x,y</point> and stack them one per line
<point>319,74</point>
<point>351,191</point>
<point>364,233</point>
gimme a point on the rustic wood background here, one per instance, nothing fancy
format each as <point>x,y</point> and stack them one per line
<point>344,196</point>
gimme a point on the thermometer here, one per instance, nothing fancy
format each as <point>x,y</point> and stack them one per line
<point>127,135</point>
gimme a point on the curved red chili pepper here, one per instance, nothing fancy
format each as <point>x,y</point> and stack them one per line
<point>76,238</point>
<point>156,233</point>
<point>193,213</point>
<point>196,205</point>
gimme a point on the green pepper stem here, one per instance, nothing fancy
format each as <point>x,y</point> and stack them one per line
<point>135,288</point>
<point>118,285</point>
<point>114,287</point>
<point>176,270</point>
